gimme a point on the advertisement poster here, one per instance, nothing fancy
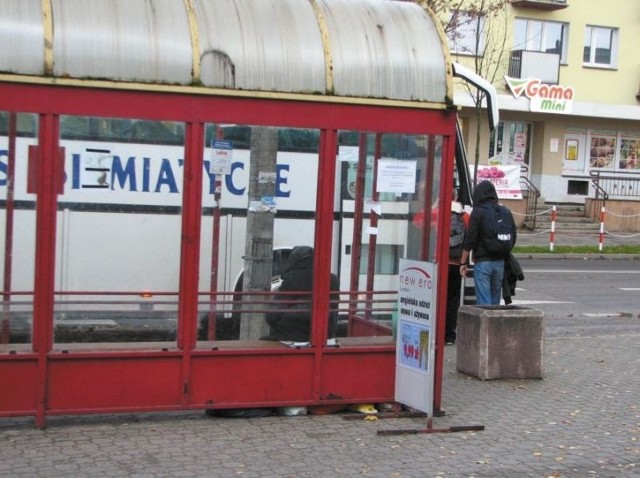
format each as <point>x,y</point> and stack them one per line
<point>415,345</point>
<point>506,179</point>
<point>571,150</point>
<point>415,340</point>
<point>519,147</point>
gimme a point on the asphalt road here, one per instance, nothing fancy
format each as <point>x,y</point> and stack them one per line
<point>583,297</point>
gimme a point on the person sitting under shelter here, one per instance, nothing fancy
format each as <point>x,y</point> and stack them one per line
<point>290,319</point>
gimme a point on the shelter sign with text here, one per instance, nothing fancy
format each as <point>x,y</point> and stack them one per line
<point>415,338</point>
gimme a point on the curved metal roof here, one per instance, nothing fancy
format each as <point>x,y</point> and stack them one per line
<point>355,48</point>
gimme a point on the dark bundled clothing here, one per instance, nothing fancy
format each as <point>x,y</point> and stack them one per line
<point>454,287</point>
<point>292,319</point>
<point>512,274</point>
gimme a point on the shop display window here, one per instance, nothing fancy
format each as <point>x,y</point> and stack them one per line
<point>602,151</point>
<point>629,153</point>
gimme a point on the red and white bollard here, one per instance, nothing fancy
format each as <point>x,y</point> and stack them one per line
<point>553,228</point>
<point>601,241</point>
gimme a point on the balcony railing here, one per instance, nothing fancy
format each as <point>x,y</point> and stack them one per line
<point>540,4</point>
<point>535,64</point>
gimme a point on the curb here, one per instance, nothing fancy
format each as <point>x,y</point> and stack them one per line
<point>577,256</point>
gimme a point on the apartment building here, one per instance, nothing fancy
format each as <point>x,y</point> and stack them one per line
<point>568,77</point>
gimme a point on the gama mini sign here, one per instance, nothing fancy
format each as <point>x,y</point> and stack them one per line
<point>544,98</point>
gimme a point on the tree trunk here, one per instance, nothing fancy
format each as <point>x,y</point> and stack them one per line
<point>258,249</point>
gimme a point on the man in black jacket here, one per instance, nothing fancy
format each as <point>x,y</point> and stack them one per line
<point>488,268</point>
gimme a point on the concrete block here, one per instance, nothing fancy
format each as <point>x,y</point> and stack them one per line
<point>500,342</point>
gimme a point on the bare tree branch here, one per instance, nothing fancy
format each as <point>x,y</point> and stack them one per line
<point>487,20</point>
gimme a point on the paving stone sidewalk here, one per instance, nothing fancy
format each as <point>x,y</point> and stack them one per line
<point>582,419</point>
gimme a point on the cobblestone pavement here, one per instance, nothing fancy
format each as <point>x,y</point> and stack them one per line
<point>581,420</point>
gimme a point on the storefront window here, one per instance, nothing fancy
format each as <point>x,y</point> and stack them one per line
<point>629,153</point>
<point>602,151</point>
<point>511,143</point>
<point>495,140</point>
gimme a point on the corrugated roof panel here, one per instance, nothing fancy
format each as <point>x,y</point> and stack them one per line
<point>269,45</point>
<point>22,37</point>
<point>385,49</point>
<point>132,40</point>
<point>359,48</point>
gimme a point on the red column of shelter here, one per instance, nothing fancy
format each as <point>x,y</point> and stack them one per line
<point>442,258</point>
<point>322,254</point>
<point>190,250</point>
<point>47,182</point>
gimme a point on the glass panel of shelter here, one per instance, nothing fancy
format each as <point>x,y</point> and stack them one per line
<point>364,308</point>
<point>386,185</point>
<point>118,231</point>
<point>18,137</point>
<point>257,235</point>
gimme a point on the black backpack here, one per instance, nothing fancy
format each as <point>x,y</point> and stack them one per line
<point>498,237</point>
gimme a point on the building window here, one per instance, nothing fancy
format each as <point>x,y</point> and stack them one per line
<point>600,45</point>
<point>547,37</point>
<point>466,33</point>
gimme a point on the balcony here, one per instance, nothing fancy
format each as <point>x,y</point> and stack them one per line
<point>535,64</point>
<point>547,5</point>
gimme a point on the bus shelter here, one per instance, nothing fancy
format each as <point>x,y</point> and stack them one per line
<point>161,163</point>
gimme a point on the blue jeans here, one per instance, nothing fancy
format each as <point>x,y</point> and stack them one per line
<point>487,276</point>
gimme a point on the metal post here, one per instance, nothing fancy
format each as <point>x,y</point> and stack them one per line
<point>553,228</point>
<point>215,251</point>
<point>8,232</point>
<point>601,241</point>
<point>356,242</point>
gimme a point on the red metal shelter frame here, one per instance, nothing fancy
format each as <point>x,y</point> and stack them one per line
<point>40,381</point>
